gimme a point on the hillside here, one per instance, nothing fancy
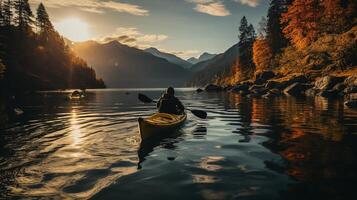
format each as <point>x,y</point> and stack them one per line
<point>124,66</point>
<point>169,57</point>
<point>203,57</point>
<point>214,70</point>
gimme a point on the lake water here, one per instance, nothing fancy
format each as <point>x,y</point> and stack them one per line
<point>280,148</point>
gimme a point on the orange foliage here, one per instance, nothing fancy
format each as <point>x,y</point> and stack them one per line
<point>335,18</point>
<point>262,54</point>
<point>302,22</point>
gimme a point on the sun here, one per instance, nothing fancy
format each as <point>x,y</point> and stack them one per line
<point>74,29</point>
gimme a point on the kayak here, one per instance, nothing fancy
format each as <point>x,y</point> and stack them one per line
<point>160,123</point>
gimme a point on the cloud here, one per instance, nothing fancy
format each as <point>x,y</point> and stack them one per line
<point>251,3</point>
<point>185,54</point>
<point>96,6</point>
<point>131,36</point>
<point>211,7</point>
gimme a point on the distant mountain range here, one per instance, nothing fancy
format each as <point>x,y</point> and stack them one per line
<point>205,56</point>
<point>169,57</point>
<point>214,69</point>
<point>123,66</point>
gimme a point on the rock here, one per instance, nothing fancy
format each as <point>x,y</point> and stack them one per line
<point>296,89</point>
<point>263,77</point>
<point>255,87</point>
<point>276,92</point>
<point>351,84</point>
<point>241,86</point>
<point>351,81</point>
<point>351,103</point>
<point>271,84</point>
<point>227,88</point>
<point>295,79</point>
<point>327,82</point>
<point>311,92</point>
<point>213,88</point>
<point>350,90</point>
<point>244,92</point>
<point>199,90</point>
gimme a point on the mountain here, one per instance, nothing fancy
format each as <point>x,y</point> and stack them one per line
<point>215,69</point>
<point>205,56</point>
<point>169,57</point>
<point>123,66</point>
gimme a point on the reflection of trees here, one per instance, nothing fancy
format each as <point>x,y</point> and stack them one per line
<point>311,135</point>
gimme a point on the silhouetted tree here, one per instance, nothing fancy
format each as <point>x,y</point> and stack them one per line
<point>23,17</point>
<point>274,28</point>
<point>45,27</point>
<point>245,45</point>
<point>263,27</point>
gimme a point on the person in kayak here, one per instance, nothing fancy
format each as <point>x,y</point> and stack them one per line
<point>168,103</point>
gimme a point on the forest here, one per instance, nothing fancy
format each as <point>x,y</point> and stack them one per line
<point>300,37</point>
<point>34,56</point>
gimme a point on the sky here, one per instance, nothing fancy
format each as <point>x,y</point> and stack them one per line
<point>185,28</point>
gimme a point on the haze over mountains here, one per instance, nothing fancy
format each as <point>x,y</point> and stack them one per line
<point>169,57</point>
<point>123,66</point>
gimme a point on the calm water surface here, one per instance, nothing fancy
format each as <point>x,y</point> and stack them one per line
<point>281,148</point>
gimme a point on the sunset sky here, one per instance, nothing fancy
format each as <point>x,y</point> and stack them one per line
<point>184,27</point>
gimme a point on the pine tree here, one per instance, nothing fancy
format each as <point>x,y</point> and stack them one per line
<point>274,28</point>
<point>245,45</point>
<point>43,21</point>
<point>24,14</point>
<point>6,12</point>
<point>263,29</point>
<point>243,31</point>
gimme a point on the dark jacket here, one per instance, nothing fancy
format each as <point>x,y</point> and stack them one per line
<point>170,104</point>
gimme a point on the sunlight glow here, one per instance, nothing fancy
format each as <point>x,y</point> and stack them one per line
<point>74,29</point>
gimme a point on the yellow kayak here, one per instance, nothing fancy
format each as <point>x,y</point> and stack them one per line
<point>160,123</point>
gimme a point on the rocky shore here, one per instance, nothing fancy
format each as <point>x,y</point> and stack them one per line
<point>267,84</point>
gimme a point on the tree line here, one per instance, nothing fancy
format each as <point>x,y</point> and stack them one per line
<point>34,55</point>
<point>290,30</point>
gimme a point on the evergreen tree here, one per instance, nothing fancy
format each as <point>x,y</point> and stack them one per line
<point>245,45</point>
<point>274,28</point>
<point>43,22</point>
<point>23,13</point>
<point>243,31</point>
<point>262,29</point>
<point>6,12</point>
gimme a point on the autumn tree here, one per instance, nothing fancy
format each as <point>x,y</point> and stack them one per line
<point>245,55</point>
<point>302,19</point>
<point>337,15</point>
<point>23,17</point>
<point>262,53</point>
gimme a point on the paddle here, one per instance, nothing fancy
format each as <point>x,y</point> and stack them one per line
<point>198,113</point>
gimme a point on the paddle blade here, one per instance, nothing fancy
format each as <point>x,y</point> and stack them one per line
<point>144,98</point>
<point>199,113</point>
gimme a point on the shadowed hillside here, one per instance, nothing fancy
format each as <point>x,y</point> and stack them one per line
<point>124,66</point>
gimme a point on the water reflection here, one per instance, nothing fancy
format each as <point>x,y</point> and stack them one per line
<point>279,148</point>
